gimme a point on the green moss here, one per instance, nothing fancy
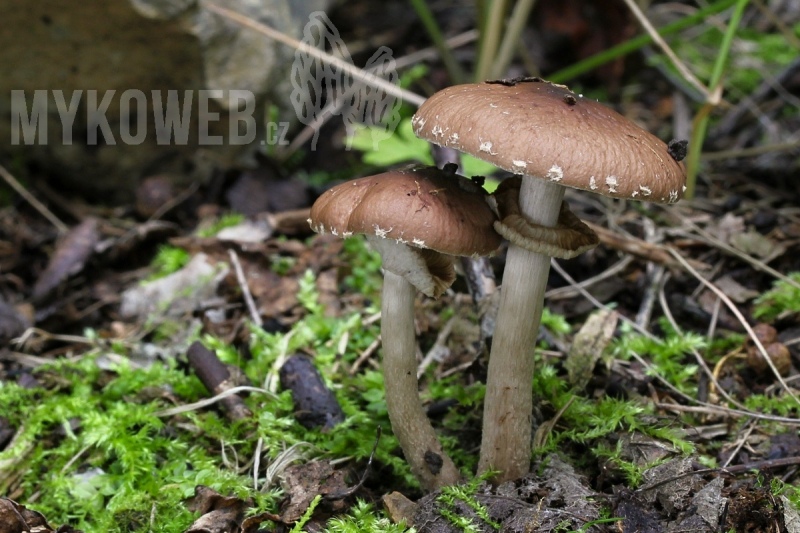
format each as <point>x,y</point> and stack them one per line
<point>363,518</point>
<point>670,357</point>
<point>466,493</point>
<point>116,463</point>
<point>215,226</point>
<point>781,299</point>
<point>364,273</point>
<point>168,260</point>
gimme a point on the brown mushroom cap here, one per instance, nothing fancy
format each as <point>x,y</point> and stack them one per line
<point>417,218</point>
<point>422,207</point>
<point>536,128</point>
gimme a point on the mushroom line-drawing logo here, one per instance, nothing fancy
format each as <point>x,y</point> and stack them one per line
<point>321,88</point>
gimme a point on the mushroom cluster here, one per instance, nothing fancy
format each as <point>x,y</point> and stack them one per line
<point>419,219</point>
<point>554,139</point>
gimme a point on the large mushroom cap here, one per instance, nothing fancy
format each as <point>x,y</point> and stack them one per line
<point>536,128</point>
<point>422,207</point>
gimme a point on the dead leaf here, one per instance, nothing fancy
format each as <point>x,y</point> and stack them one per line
<point>16,518</point>
<point>305,481</point>
<point>252,523</point>
<point>671,486</point>
<point>710,304</point>
<point>726,227</point>
<point>69,258</point>
<point>734,290</point>
<point>705,508</point>
<point>637,515</point>
<point>219,513</point>
<point>399,508</point>
<point>757,245</point>
<point>12,322</point>
<point>247,231</point>
<point>176,294</point>
<point>552,497</point>
<point>11,521</point>
<point>588,346</point>
<point>564,487</point>
<point>791,517</point>
<point>274,295</point>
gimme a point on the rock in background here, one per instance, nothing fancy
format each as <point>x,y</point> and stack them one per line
<point>137,44</point>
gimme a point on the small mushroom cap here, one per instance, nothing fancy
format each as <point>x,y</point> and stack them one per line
<point>422,207</point>
<point>539,129</point>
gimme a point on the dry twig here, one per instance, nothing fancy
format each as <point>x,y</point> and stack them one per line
<point>248,297</point>
<point>680,65</point>
<point>701,362</point>
<point>597,303</point>
<point>735,310</point>
<point>352,70</point>
<point>568,291</point>
<point>31,199</point>
<point>703,236</point>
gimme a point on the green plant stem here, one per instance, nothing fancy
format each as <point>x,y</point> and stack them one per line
<point>298,527</point>
<point>636,43</point>
<point>490,39</point>
<point>695,150</point>
<point>727,42</point>
<point>425,15</point>
<point>700,122</point>
<point>519,16</point>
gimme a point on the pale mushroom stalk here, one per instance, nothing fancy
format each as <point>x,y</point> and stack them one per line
<point>506,441</point>
<point>432,467</point>
<point>548,134</point>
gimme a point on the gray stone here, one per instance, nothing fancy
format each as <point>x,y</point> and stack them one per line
<point>146,45</point>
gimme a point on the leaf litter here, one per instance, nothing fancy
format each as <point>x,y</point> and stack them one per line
<point>727,389</point>
<point>670,496</point>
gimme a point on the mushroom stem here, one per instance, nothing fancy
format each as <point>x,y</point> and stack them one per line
<point>429,464</point>
<point>508,405</point>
